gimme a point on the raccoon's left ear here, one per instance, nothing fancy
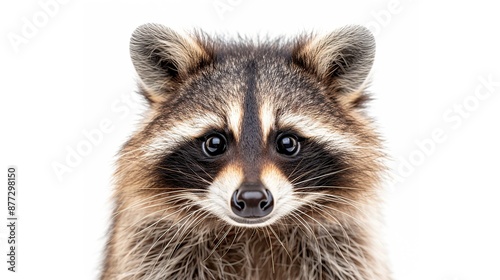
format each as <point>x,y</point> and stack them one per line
<point>342,60</point>
<point>164,59</point>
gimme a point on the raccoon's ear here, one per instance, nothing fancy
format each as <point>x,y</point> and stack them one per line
<point>341,59</point>
<point>164,59</point>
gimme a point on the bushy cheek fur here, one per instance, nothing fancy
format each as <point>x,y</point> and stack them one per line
<point>330,186</point>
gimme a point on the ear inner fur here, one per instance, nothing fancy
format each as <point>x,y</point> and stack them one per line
<point>164,59</point>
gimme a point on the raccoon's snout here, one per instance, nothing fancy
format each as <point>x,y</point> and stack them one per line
<point>252,201</point>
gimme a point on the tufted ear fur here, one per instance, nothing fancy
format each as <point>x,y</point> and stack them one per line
<point>342,60</point>
<point>164,59</point>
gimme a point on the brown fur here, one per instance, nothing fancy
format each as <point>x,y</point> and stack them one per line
<point>158,230</point>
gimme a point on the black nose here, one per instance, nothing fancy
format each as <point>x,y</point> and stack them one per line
<point>251,201</point>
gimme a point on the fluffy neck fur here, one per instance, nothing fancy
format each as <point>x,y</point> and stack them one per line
<point>162,250</point>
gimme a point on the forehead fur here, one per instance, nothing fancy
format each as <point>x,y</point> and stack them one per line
<point>280,85</point>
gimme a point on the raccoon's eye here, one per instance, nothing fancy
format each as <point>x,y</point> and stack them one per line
<point>288,144</point>
<point>214,144</point>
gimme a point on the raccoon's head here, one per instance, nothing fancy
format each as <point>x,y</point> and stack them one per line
<point>251,133</point>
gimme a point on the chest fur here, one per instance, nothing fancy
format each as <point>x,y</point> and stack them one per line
<point>268,253</point>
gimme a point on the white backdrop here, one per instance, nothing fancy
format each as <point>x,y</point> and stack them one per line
<point>68,103</point>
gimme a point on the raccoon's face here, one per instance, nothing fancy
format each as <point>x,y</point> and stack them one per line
<point>251,134</point>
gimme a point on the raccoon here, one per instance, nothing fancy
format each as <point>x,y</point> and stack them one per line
<point>255,160</point>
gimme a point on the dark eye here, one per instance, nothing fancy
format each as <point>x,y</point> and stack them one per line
<point>214,144</point>
<point>288,144</point>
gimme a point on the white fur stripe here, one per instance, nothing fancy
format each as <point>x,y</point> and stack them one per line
<point>267,120</point>
<point>180,132</point>
<point>235,118</point>
<point>315,129</point>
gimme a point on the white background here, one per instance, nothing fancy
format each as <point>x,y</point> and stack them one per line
<point>73,72</point>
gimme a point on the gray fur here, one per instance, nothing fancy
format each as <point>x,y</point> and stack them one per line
<point>165,228</point>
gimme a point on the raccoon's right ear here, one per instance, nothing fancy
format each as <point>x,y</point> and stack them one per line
<point>164,59</point>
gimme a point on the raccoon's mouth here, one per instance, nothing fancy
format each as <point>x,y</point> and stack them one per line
<point>250,221</point>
